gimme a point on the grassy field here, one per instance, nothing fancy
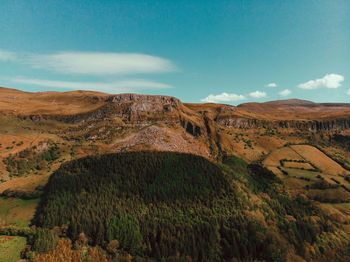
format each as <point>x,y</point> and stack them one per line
<point>319,159</point>
<point>299,173</point>
<point>11,247</point>
<point>26,183</point>
<point>276,156</point>
<point>16,212</point>
<point>296,165</point>
<point>301,160</point>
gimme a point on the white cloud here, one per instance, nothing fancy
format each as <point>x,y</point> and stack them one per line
<point>7,56</point>
<point>232,97</point>
<point>257,94</point>
<point>271,85</point>
<point>117,86</point>
<point>328,81</point>
<point>348,93</point>
<point>285,92</point>
<point>92,63</point>
<point>99,63</point>
<point>223,97</point>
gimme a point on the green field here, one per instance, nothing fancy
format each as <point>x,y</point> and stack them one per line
<point>16,212</point>
<point>10,248</point>
<point>299,173</point>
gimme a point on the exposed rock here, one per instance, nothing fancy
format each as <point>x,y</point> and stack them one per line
<point>146,102</point>
<point>311,125</point>
<point>161,138</point>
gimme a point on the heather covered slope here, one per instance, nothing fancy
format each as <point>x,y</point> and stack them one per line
<point>170,205</point>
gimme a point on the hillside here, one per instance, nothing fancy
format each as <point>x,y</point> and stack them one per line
<point>144,199</point>
<point>82,123</point>
<point>79,102</point>
<point>52,145</point>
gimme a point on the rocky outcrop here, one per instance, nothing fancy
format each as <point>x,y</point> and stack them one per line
<point>137,108</point>
<point>130,107</point>
<point>147,103</point>
<point>191,128</point>
<point>310,125</point>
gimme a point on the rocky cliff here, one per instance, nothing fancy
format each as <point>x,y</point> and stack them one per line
<point>310,125</point>
<point>145,109</point>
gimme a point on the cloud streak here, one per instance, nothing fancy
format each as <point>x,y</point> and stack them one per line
<point>331,81</point>
<point>112,87</point>
<point>98,63</point>
<point>92,63</point>
<point>7,56</point>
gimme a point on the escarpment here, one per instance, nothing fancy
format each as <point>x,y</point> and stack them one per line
<point>306,125</point>
<point>131,122</point>
<point>196,119</point>
<point>134,109</point>
<point>131,107</point>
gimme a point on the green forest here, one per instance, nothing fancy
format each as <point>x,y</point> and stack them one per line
<point>179,206</point>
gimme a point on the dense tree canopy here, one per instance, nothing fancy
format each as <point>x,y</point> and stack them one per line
<point>166,205</point>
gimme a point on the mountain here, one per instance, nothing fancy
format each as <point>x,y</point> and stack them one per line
<point>81,123</point>
<point>285,163</point>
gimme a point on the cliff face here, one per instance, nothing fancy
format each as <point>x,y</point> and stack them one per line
<point>131,107</point>
<point>145,109</point>
<point>146,102</point>
<point>138,108</point>
<point>310,125</point>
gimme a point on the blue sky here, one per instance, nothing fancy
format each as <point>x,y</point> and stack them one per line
<point>218,51</point>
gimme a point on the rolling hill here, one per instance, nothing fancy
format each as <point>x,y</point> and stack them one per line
<point>281,167</point>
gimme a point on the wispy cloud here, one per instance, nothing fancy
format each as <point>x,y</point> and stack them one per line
<point>285,92</point>
<point>223,97</point>
<point>232,97</point>
<point>112,87</point>
<point>100,64</point>
<point>7,55</point>
<point>348,92</point>
<point>92,63</point>
<point>271,85</point>
<point>97,63</point>
<point>257,94</point>
<point>332,81</point>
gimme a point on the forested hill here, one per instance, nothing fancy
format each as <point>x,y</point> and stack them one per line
<point>181,207</point>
